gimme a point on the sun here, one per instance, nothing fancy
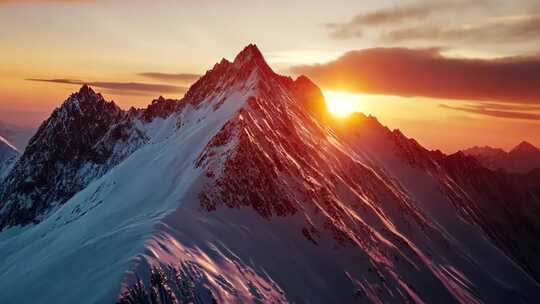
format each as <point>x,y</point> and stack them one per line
<point>341,104</point>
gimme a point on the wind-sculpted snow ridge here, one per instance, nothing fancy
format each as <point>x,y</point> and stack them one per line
<point>245,191</point>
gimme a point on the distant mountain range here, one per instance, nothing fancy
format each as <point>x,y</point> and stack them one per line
<point>8,156</point>
<point>247,191</point>
<point>521,159</point>
<point>18,136</point>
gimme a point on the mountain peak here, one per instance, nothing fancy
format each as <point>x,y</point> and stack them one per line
<point>525,146</point>
<point>86,91</point>
<point>521,159</point>
<point>224,74</point>
<point>85,95</point>
<point>250,51</point>
<point>252,56</point>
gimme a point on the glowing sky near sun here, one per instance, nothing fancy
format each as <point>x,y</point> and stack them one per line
<point>115,43</point>
<point>342,104</point>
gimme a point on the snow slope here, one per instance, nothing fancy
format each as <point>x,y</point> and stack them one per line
<point>263,199</point>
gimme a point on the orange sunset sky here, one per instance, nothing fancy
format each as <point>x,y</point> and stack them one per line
<point>451,74</point>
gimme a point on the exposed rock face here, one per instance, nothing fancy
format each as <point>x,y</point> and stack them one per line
<point>81,140</point>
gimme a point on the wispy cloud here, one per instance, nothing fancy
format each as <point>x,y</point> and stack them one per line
<point>487,111</point>
<point>393,16</point>
<point>425,72</point>
<point>509,107</point>
<point>500,31</point>
<point>182,77</point>
<point>122,88</point>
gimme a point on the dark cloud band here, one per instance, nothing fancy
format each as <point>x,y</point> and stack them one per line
<point>479,109</point>
<point>523,29</point>
<point>121,88</point>
<point>425,72</point>
<point>171,77</point>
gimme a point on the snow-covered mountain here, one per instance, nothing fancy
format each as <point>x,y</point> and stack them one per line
<point>521,159</point>
<point>245,191</point>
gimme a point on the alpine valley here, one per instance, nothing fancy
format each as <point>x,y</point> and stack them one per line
<point>247,191</point>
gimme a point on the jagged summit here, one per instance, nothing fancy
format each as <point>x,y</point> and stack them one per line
<point>249,69</point>
<point>86,102</point>
<point>86,94</point>
<point>248,62</point>
<point>250,55</point>
<point>86,90</point>
<point>249,52</point>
